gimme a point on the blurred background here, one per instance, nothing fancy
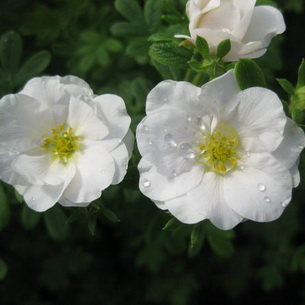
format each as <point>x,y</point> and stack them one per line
<point>115,252</point>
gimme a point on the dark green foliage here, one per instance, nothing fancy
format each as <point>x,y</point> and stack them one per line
<point>114,251</point>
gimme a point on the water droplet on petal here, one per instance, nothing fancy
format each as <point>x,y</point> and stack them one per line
<point>284,204</point>
<point>120,140</point>
<point>241,167</point>
<point>33,199</point>
<point>301,147</point>
<point>267,199</point>
<point>149,142</point>
<point>145,128</point>
<point>175,174</point>
<point>188,118</point>
<point>261,187</point>
<point>248,154</point>
<point>170,140</point>
<point>146,183</point>
<point>191,155</point>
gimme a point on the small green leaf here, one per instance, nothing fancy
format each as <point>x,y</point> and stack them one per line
<point>170,54</point>
<point>202,46</point>
<point>33,66</point>
<point>56,223</point>
<point>110,215</point>
<point>92,223</point>
<point>298,99</point>
<point>220,241</point>
<point>3,269</point>
<point>113,45</point>
<point>4,209</point>
<point>195,65</point>
<point>297,115</point>
<point>126,29</point>
<point>172,225</point>
<point>131,10</point>
<point>160,37</point>
<point>301,74</point>
<point>196,240</point>
<point>29,218</point>
<point>103,56</point>
<point>152,14</point>
<point>223,48</point>
<point>10,51</point>
<point>286,85</point>
<point>249,74</point>
<point>87,62</point>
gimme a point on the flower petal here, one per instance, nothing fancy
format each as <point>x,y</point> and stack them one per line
<point>254,124</point>
<point>266,23</point>
<point>42,197</point>
<point>205,201</point>
<point>94,172</point>
<point>261,190</point>
<point>85,122</point>
<point>111,110</point>
<point>293,143</point>
<point>43,169</point>
<point>171,94</point>
<point>159,187</point>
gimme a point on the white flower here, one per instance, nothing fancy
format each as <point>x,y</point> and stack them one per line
<point>218,153</point>
<point>249,28</point>
<point>61,143</point>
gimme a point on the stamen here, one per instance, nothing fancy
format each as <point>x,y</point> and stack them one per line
<point>62,143</point>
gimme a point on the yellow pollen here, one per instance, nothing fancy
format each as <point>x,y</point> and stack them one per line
<point>62,143</point>
<point>218,152</point>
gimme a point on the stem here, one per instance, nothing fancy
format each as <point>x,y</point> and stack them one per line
<point>188,75</point>
<point>197,79</point>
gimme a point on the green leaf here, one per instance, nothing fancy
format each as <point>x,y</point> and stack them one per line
<point>138,48</point>
<point>202,46</point>
<point>196,65</point>
<point>196,240</point>
<point>220,241</point>
<point>4,209</point>
<point>131,10</point>
<point>87,62</point>
<point>249,74</point>
<point>297,115</point>
<point>301,74</point>
<point>10,51</point>
<point>298,99</point>
<point>286,85</point>
<point>170,54</point>
<point>29,218</point>
<point>103,56</point>
<point>113,45</point>
<point>223,48</point>
<point>92,223</point>
<point>3,269</point>
<point>56,223</point>
<point>110,215</point>
<point>152,14</point>
<point>160,37</point>
<point>126,29</point>
<point>172,225</point>
<point>35,65</point>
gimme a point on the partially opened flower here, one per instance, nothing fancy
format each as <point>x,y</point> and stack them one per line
<point>60,142</point>
<point>218,153</point>
<point>250,29</point>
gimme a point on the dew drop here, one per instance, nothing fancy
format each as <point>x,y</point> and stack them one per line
<point>146,183</point>
<point>168,138</point>
<point>175,174</point>
<point>33,199</point>
<point>301,147</point>
<point>191,155</point>
<point>261,187</point>
<point>188,118</point>
<point>284,204</point>
<point>120,140</point>
<point>248,154</point>
<point>267,199</point>
<point>149,142</point>
<point>145,128</point>
<point>241,167</point>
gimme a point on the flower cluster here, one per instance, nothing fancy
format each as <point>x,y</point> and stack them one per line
<point>60,142</point>
<point>215,152</point>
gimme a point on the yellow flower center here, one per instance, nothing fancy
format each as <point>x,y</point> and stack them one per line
<point>62,143</point>
<point>218,151</point>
